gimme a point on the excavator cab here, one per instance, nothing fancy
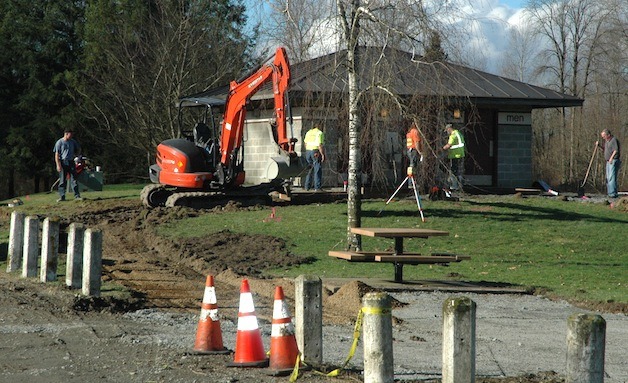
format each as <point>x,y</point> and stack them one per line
<point>190,161</point>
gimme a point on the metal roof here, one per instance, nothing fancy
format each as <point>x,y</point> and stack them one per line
<point>406,75</point>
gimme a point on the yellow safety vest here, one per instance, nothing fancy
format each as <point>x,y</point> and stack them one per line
<point>313,139</point>
<point>456,150</point>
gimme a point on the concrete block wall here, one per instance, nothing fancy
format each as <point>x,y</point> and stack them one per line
<point>514,153</point>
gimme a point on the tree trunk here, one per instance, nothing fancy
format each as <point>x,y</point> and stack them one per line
<point>354,197</point>
<point>354,201</point>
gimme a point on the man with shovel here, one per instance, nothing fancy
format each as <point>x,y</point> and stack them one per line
<point>612,152</point>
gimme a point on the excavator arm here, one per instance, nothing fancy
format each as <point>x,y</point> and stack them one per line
<point>235,113</point>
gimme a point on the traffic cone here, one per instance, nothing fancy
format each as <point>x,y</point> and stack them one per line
<point>249,349</point>
<point>283,343</point>
<point>208,334</point>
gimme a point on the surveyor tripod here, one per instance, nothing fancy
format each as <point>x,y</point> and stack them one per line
<point>409,177</point>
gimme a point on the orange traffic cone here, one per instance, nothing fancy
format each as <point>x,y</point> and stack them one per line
<point>208,334</point>
<point>283,343</point>
<point>249,349</point>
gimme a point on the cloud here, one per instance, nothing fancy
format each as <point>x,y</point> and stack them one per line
<point>485,39</point>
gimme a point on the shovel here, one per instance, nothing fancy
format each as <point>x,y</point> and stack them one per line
<point>581,188</point>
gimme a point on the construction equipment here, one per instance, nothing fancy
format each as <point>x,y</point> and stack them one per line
<point>208,163</point>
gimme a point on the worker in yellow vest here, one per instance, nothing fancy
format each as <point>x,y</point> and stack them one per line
<point>455,153</point>
<point>315,155</point>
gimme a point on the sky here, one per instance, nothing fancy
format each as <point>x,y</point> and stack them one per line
<point>515,4</point>
<point>486,40</point>
<point>488,35</point>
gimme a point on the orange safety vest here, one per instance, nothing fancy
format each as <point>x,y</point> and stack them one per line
<point>413,139</point>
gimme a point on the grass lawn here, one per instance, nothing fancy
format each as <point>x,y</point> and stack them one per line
<point>575,250</point>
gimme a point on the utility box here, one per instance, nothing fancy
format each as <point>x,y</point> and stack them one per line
<point>90,180</point>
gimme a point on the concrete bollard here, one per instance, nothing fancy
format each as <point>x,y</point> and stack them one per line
<point>92,262</point>
<point>586,339</point>
<point>49,250</point>
<point>16,242</point>
<point>74,256</point>
<point>458,340</point>
<point>308,318</point>
<point>378,344</point>
<point>31,246</point>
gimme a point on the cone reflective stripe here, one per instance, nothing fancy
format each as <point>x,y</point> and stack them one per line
<point>208,334</point>
<point>283,343</point>
<point>249,349</point>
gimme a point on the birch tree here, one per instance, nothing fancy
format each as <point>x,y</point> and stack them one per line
<point>519,61</point>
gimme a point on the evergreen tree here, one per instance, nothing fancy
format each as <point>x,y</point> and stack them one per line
<point>39,51</point>
<point>434,51</point>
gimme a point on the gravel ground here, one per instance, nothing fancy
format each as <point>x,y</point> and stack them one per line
<point>517,336</point>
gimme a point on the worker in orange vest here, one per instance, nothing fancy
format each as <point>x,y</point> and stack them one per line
<point>414,152</point>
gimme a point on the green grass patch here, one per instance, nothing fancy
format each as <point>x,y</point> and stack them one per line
<point>575,250</point>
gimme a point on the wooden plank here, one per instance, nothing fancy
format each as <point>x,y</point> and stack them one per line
<point>389,232</point>
<point>352,256</point>
<point>374,253</point>
<point>408,259</point>
<point>388,256</point>
<point>460,257</point>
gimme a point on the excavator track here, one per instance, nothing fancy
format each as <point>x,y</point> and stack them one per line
<point>209,200</point>
<point>156,195</point>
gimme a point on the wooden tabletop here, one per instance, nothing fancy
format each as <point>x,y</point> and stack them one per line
<point>390,232</point>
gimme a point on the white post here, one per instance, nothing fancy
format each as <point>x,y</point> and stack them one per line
<point>16,242</point>
<point>49,250</point>
<point>74,256</point>
<point>31,246</point>
<point>378,344</point>
<point>92,262</point>
<point>458,340</point>
<point>586,338</point>
<point>308,318</point>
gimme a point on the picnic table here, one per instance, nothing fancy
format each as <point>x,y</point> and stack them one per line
<point>398,257</point>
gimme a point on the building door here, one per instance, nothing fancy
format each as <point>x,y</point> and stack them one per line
<point>479,135</point>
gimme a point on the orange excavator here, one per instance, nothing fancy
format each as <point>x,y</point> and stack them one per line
<point>208,164</point>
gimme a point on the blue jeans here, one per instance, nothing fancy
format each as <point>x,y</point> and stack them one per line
<point>457,172</point>
<point>68,170</point>
<point>612,170</point>
<point>316,169</point>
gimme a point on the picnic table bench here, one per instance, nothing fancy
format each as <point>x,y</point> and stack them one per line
<point>398,257</point>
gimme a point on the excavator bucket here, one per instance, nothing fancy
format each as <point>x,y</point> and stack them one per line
<point>284,167</point>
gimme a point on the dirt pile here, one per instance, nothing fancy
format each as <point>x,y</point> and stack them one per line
<point>621,204</point>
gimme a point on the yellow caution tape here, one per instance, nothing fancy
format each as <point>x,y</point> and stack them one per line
<point>376,310</point>
<point>295,372</point>
<point>354,345</point>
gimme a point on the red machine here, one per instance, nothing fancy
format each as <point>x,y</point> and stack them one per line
<point>211,161</point>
